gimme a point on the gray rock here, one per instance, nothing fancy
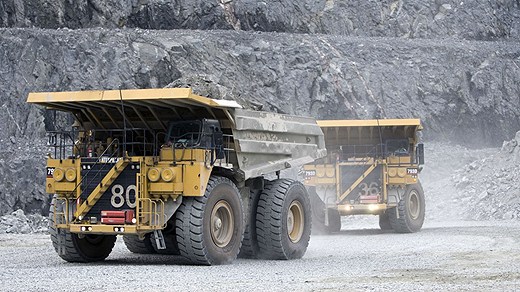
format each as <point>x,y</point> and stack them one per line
<point>483,195</point>
<point>509,146</point>
<point>471,19</point>
<point>513,146</point>
<point>18,222</point>
<point>19,214</point>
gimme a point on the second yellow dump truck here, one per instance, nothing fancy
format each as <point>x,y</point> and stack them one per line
<point>176,173</point>
<point>372,167</point>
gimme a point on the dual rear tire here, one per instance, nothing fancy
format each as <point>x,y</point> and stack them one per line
<point>249,247</point>
<point>280,224</point>
<point>210,229</point>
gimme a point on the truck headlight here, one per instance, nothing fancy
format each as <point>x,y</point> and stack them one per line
<point>167,174</point>
<point>58,174</point>
<point>70,174</point>
<point>154,174</point>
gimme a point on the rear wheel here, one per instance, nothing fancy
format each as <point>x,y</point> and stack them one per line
<point>136,245</point>
<point>75,248</point>
<point>209,229</point>
<point>249,247</point>
<point>170,240</point>
<point>283,220</point>
<point>408,216</point>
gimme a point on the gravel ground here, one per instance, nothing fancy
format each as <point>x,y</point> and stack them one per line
<point>451,255</point>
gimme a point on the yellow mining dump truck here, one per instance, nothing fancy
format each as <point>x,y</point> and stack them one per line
<point>176,173</point>
<point>372,167</point>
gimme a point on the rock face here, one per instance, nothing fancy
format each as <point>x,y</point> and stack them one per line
<point>475,185</point>
<point>389,59</point>
<point>472,19</point>
<point>463,91</point>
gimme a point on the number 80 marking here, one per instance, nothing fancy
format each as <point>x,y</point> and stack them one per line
<point>117,200</point>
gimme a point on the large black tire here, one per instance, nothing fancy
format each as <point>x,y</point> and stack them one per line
<point>210,228</point>
<point>72,248</point>
<point>136,245</point>
<point>318,216</point>
<point>384,222</point>
<point>249,247</point>
<point>408,216</point>
<point>283,220</point>
<point>334,220</point>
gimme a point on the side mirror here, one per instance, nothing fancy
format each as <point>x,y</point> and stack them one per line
<point>420,153</point>
<point>218,144</point>
<point>218,139</point>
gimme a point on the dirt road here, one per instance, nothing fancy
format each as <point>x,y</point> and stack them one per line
<point>457,256</point>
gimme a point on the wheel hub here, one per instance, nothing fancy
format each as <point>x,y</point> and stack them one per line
<point>218,223</point>
<point>413,205</point>
<point>222,223</point>
<point>290,221</point>
<point>295,221</point>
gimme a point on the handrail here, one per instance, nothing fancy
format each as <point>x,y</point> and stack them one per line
<point>98,172</point>
<point>67,144</point>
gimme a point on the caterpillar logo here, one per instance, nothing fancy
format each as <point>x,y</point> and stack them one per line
<point>104,159</point>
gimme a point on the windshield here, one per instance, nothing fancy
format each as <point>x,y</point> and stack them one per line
<point>397,147</point>
<point>185,132</point>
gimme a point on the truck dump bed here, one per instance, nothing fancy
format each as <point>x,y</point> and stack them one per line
<point>263,142</point>
<point>267,142</point>
<point>362,138</point>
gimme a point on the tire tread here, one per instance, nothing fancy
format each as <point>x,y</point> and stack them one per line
<point>269,220</point>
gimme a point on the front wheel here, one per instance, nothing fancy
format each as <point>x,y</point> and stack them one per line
<point>283,220</point>
<point>320,212</point>
<point>75,248</point>
<point>334,221</point>
<point>408,216</point>
<point>209,229</point>
<point>384,221</point>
